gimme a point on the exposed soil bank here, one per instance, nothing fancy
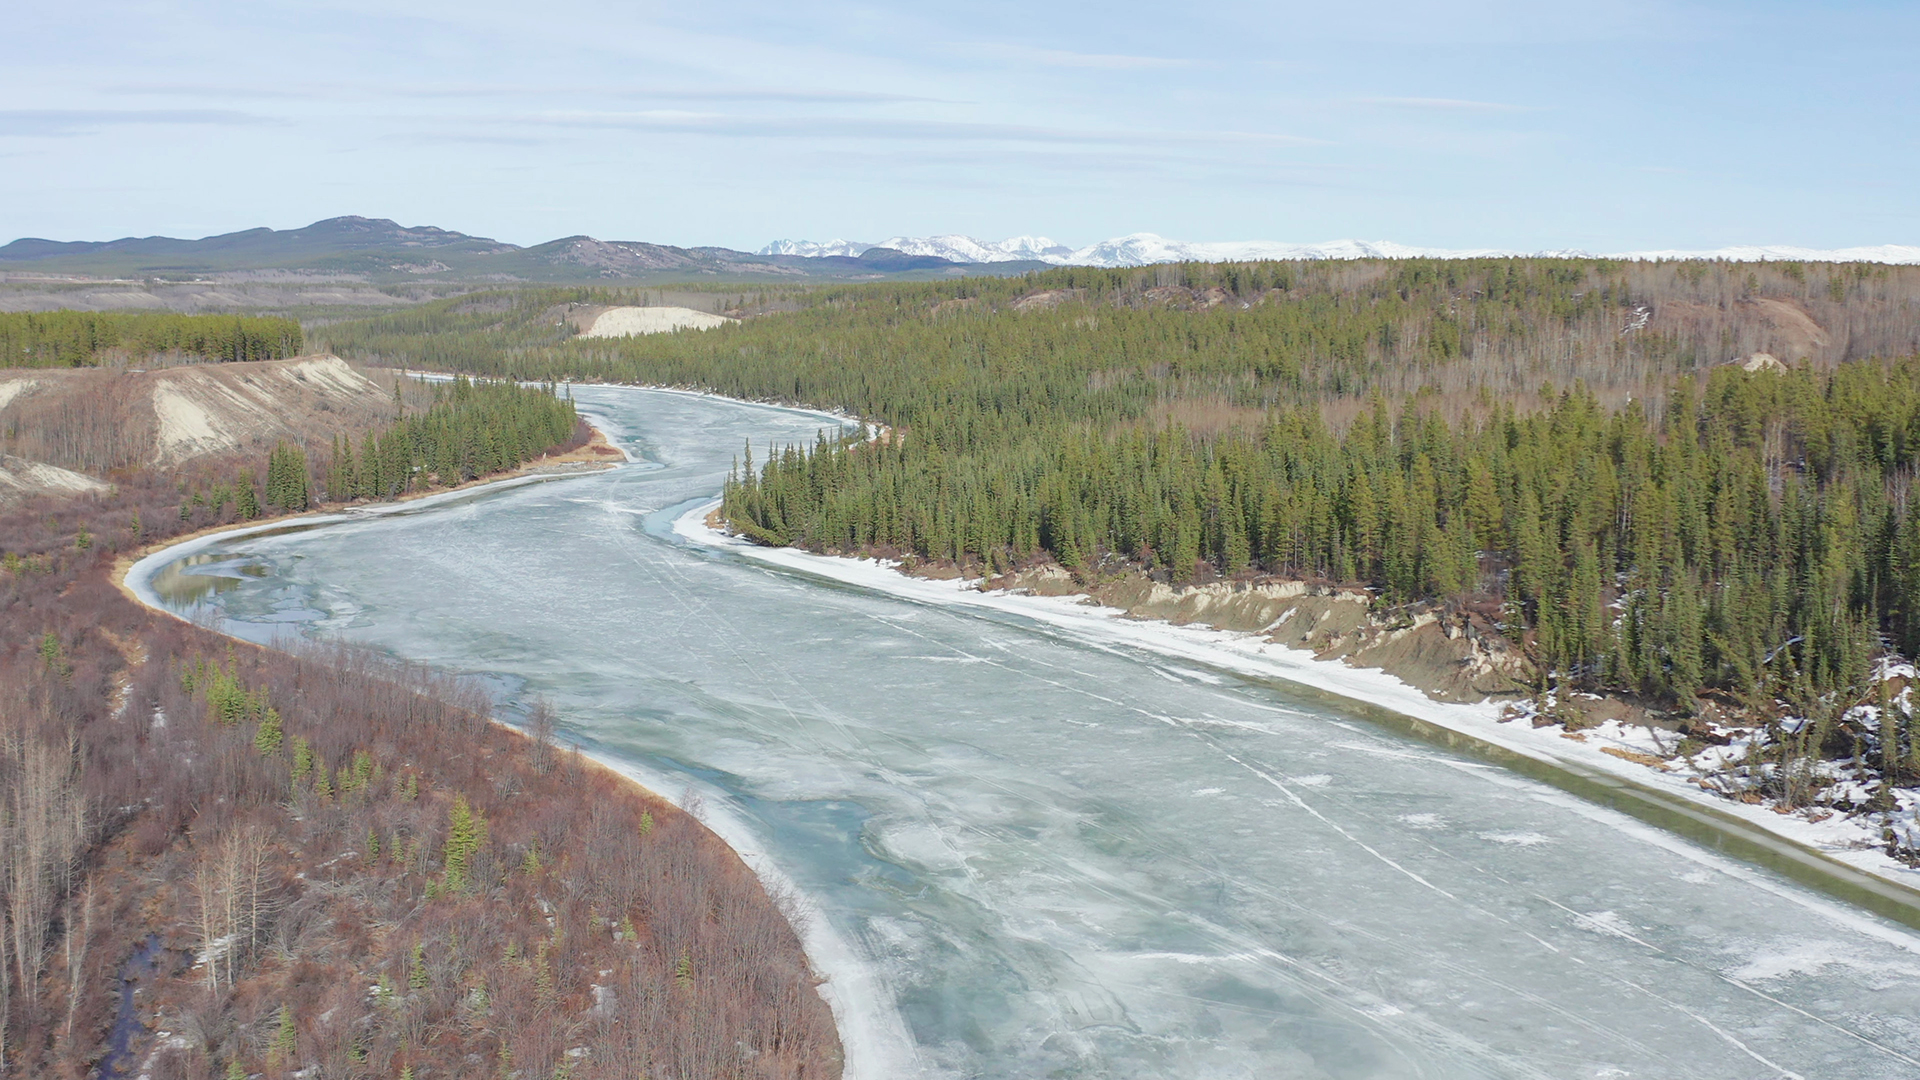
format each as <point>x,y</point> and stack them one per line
<point>1454,656</point>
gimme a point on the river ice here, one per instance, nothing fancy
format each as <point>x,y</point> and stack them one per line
<point>1032,850</point>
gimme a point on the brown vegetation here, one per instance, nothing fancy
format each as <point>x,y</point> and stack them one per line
<point>335,865</point>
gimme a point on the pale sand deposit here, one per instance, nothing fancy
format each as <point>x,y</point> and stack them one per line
<point>13,388</point>
<point>20,478</point>
<point>628,321</point>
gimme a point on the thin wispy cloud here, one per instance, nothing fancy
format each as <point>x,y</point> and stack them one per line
<point>1437,104</point>
<point>1494,123</point>
<point>1064,58</point>
<point>68,122</point>
<point>455,138</point>
<point>361,91</point>
<point>802,127</point>
<point>654,93</point>
<point>290,92</point>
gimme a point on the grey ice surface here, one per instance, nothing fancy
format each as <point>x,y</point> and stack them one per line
<point>1051,857</point>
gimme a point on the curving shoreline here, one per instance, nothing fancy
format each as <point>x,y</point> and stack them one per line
<point>1806,852</point>
<point>872,1049</point>
<point>847,987</point>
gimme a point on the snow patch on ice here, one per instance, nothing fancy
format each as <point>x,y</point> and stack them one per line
<point>1517,839</point>
<point>1608,923</point>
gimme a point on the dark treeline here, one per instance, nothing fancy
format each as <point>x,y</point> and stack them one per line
<point>1759,540</point>
<point>330,865</point>
<point>83,338</point>
<point>466,431</point>
<point>471,430</point>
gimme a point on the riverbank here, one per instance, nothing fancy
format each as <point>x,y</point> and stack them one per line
<point>846,986</point>
<point>1610,754</point>
<point>597,454</point>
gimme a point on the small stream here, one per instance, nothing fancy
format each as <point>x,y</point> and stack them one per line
<point>140,968</point>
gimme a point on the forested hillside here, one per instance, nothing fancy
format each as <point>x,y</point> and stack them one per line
<point>1213,338</point>
<point>1562,444</point>
<point>332,865</point>
<point>83,338</point>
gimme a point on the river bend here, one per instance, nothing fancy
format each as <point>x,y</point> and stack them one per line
<point>1035,853</point>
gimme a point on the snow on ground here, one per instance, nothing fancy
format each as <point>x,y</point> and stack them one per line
<point>1637,755</point>
<point>628,321</point>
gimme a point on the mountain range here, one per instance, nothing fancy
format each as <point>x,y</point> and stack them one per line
<point>381,251</point>
<point>1144,249</point>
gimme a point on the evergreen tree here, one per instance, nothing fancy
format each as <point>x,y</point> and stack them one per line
<point>466,835</point>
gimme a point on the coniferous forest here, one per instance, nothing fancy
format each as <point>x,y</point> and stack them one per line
<point>466,431</point>
<point>85,338</point>
<point>1563,441</point>
<point>471,430</point>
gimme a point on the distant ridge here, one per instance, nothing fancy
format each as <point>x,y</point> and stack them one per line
<point>377,249</point>
<point>1145,249</point>
<point>383,251</point>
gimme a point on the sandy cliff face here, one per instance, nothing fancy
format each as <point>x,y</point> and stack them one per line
<point>20,478</point>
<point>87,422</point>
<point>222,408</point>
<point>1453,656</point>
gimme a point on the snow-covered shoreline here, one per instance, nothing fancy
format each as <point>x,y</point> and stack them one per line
<point>1849,843</point>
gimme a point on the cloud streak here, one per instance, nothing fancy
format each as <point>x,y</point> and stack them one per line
<point>483,91</point>
<point>59,123</point>
<point>1063,58</point>
<point>826,127</point>
<point>1430,104</point>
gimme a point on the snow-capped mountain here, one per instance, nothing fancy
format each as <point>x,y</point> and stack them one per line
<point>967,249</point>
<point>808,249</point>
<point>1145,249</point>
<point>954,248</point>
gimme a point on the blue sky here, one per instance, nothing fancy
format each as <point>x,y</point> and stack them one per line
<point>1632,125</point>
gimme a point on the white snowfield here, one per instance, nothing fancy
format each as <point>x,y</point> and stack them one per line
<point>1146,249</point>
<point>629,321</point>
<point>949,246</point>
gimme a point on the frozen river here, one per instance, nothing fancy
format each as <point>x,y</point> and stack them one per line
<point>1034,852</point>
